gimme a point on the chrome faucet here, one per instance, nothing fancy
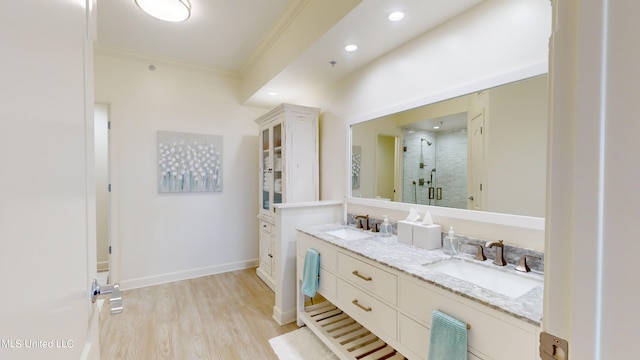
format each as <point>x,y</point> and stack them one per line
<point>499,252</point>
<point>359,219</point>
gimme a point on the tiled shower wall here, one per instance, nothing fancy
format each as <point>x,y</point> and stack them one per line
<point>412,191</point>
<point>447,155</point>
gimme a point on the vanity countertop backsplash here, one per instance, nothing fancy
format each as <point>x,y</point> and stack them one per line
<point>411,260</point>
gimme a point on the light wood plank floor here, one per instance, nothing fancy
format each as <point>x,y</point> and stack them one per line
<point>225,316</point>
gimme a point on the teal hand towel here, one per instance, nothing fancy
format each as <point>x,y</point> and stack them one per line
<point>311,272</point>
<point>448,339</point>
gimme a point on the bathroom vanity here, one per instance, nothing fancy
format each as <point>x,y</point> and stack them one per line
<point>385,291</point>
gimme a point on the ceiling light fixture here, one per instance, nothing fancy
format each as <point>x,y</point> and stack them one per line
<point>351,48</point>
<point>396,16</point>
<point>273,93</point>
<point>167,10</point>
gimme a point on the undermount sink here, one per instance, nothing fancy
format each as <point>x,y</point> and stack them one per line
<point>348,234</point>
<point>497,280</point>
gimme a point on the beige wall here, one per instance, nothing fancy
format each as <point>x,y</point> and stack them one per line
<point>385,174</point>
<point>496,42</point>
<point>517,148</point>
<point>161,238</point>
<point>367,138</point>
<point>101,156</point>
<point>164,237</point>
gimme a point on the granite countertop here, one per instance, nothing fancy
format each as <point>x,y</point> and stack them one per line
<point>411,260</point>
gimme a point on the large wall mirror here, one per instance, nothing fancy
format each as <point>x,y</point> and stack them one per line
<point>483,151</point>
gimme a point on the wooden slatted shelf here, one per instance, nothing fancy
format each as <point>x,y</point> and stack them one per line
<point>344,336</point>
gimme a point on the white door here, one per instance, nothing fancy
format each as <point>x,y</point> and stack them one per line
<point>591,290</point>
<point>47,216</point>
<point>101,155</point>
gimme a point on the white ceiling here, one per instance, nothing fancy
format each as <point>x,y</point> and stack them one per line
<point>225,34</point>
<point>220,34</point>
<point>444,123</point>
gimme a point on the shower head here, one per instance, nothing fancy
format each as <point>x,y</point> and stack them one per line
<point>425,140</point>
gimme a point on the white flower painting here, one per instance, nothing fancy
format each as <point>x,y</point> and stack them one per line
<point>355,166</point>
<point>189,162</point>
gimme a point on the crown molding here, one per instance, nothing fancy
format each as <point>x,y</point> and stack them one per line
<point>291,11</point>
<point>117,52</point>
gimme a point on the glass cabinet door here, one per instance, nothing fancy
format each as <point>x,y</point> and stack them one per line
<point>277,164</point>
<point>266,170</point>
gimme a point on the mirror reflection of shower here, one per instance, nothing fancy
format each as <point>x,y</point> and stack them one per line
<point>418,161</point>
<point>422,166</point>
<point>435,162</point>
<point>423,140</point>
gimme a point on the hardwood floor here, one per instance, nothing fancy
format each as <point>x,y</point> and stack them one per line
<point>225,316</point>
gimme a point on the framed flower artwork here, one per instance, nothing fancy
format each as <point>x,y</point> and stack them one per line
<point>189,162</point>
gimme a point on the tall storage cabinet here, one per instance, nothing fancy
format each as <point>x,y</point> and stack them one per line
<point>288,159</point>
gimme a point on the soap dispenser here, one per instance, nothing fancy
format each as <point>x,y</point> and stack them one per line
<point>385,227</point>
<point>451,244</point>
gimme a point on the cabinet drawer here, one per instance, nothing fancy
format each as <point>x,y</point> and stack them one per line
<point>375,280</point>
<point>490,333</point>
<point>265,226</point>
<point>369,312</point>
<point>414,336</point>
<point>327,252</point>
<point>327,283</point>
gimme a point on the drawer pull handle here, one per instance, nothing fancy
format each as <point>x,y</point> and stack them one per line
<point>365,278</point>
<point>365,308</point>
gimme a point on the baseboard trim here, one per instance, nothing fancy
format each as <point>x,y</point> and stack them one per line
<point>284,317</point>
<point>103,266</point>
<point>266,279</point>
<point>186,274</point>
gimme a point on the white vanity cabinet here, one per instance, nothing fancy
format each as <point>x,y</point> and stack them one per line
<point>493,334</point>
<point>266,265</point>
<point>288,162</point>
<point>367,293</point>
<point>328,264</point>
<point>397,307</point>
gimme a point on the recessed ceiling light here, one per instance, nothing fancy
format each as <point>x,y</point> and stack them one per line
<point>273,93</point>
<point>396,16</point>
<point>436,127</point>
<point>351,48</point>
<point>167,10</point>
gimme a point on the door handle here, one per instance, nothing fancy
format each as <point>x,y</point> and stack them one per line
<point>115,299</point>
